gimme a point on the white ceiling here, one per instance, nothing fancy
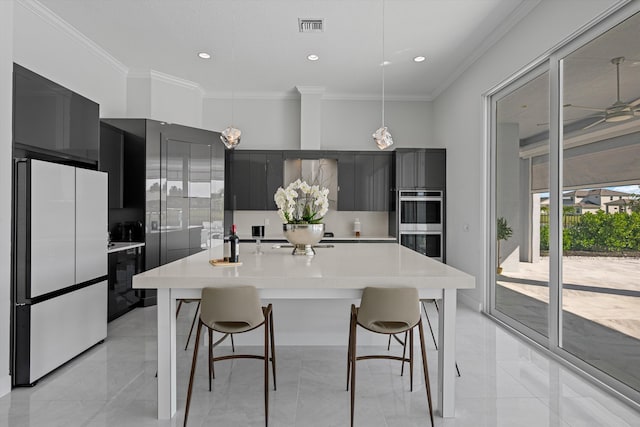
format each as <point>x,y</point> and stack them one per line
<point>258,51</point>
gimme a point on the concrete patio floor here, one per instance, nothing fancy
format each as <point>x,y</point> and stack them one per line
<point>605,290</point>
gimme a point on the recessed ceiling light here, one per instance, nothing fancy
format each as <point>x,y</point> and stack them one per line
<point>204,55</point>
<point>313,57</point>
<point>419,59</point>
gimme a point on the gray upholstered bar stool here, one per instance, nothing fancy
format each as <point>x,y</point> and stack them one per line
<point>233,310</point>
<point>387,311</point>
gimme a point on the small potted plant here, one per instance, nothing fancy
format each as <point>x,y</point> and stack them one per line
<point>503,232</point>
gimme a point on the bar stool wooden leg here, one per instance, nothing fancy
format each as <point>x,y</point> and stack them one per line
<point>267,336</point>
<point>193,322</point>
<point>410,332</point>
<point>404,352</point>
<point>349,346</point>
<point>210,356</point>
<point>273,348</point>
<point>353,367</point>
<point>426,370</point>
<point>193,371</point>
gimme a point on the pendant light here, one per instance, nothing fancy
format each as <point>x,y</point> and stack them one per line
<point>382,136</point>
<point>231,135</point>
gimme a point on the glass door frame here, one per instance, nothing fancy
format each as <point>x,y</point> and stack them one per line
<point>526,75</point>
<point>551,61</point>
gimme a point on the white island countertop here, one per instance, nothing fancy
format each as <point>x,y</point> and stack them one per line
<point>345,267</point>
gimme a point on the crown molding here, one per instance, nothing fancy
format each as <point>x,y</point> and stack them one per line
<point>505,26</point>
<point>377,97</point>
<point>264,96</point>
<point>310,90</point>
<point>54,20</point>
<point>166,78</point>
<point>276,96</point>
<point>177,81</point>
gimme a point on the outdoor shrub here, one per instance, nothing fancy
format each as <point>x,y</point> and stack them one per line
<point>601,232</point>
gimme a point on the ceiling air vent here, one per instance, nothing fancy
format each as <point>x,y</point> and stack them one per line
<point>310,25</point>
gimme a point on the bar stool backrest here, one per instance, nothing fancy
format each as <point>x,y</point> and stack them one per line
<point>389,310</point>
<point>231,309</point>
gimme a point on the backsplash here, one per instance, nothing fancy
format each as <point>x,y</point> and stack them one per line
<point>340,223</point>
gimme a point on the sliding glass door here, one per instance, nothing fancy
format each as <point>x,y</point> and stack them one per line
<point>565,212</point>
<point>600,283</point>
<point>521,291</point>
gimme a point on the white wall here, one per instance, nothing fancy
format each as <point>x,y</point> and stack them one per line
<point>266,124</point>
<point>458,118</point>
<point>59,53</point>
<point>349,125</point>
<point>272,124</point>
<point>138,97</point>
<point>175,101</point>
<point>6,96</point>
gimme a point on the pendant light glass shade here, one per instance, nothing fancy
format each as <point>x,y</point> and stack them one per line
<point>383,138</point>
<point>230,137</point>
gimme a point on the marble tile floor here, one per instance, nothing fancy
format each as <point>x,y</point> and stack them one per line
<point>504,382</point>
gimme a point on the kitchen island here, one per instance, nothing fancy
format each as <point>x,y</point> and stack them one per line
<point>338,273</point>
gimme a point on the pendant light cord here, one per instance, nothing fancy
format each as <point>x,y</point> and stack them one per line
<point>383,63</point>
<point>233,60</point>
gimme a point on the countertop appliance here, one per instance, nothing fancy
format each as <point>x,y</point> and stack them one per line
<point>421,221</point>
<point>59,266</point>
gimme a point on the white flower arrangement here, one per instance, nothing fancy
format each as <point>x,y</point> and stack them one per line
<point>301,203</point>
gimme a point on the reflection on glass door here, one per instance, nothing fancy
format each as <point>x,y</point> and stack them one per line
<point>187,196</point>
<point>600,318</point>
<point>521,290</point>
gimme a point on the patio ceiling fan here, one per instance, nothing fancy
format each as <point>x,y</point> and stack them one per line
<point>619,111</point>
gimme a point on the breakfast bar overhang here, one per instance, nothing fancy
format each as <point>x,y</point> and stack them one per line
<point>339,273</point>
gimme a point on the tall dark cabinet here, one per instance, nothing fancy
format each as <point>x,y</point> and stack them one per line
<point>169,179</point>
<point>420,169</point>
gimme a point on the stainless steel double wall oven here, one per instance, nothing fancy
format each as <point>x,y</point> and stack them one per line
<point>420,220</point>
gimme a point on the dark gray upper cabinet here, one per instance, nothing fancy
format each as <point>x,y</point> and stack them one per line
<point>51,120</point>
<point>254,177</point>
<point>382,182</point>
<point>421,168</point>
<point>275,173</point>
<point>364,178</point>
<point>364,181</point>
<point>346,181</point>
<point>111,161</point>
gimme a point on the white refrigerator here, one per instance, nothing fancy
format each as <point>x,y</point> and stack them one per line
<point>59,271</point>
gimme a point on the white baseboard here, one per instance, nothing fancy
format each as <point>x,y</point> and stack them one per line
<point>470,302</point>
<point>5,385</point>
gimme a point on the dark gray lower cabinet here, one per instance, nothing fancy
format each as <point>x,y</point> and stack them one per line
<point>122,266</point>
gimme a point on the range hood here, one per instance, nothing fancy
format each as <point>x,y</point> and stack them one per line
<point>322,172</point>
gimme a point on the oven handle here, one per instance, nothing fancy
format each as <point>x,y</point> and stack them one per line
<point>420,199</point>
